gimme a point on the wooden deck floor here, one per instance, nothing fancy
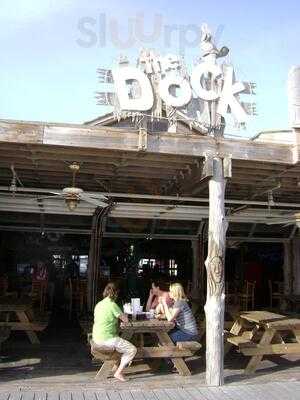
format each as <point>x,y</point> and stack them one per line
<point>269,391</point>
<point>61,369</point>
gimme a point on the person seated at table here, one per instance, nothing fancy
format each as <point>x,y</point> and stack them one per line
<point>40,272</point>
<point>105,329</point>
<point>159,289</point>
<point>185,324</point>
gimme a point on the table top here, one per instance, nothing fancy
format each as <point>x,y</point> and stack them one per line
<point>11,303</point>
<point>152,325</point>
<point>271,320</point>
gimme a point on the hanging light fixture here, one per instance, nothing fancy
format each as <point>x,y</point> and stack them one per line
<point>72,203</point>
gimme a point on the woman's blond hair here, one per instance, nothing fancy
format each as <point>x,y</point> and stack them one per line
<point>111,290</point>
<point>177,291</point>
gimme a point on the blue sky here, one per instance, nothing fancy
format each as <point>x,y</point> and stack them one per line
<point>48,63</point>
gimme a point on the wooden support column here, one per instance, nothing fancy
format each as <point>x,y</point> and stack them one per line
<point>215,301</point>
<point>288,267</point>
<point>296,265</point>
<point>198,264</point>
<point>99,219</point>
<point>196,268</point>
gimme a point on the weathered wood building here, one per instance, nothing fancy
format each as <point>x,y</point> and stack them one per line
<point>157,182</point>
<point>111,177</point>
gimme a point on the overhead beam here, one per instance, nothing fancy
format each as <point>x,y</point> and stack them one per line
<point>131,214</point>
<point>152,197</point>
<point>72,135</point>
<point>80,231</point>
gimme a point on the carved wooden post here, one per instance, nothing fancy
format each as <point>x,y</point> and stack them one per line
<point>215,301</point>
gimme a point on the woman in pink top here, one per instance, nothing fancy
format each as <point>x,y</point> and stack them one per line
<point>40,272</point>
<point>159,289</point>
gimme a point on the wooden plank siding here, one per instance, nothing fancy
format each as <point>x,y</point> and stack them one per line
<point>84,136</point>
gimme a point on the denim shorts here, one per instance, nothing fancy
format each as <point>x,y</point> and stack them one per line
<point>177,335</point>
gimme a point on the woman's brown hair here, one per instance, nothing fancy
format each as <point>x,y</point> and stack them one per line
<point>111,290</point>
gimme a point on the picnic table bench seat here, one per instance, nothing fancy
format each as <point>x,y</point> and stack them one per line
<point>182,349</point>
<point>193,346</point>
<point>256,349</point>
<point>239,340</point>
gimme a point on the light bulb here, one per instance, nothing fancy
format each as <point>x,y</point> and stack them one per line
<point>72,204</point>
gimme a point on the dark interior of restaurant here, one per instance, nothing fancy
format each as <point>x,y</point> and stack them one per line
<point>131,262</point>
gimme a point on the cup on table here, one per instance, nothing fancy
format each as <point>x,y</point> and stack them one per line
<point>152,313</point>
<point>127,308</point>
<point>135,305</point>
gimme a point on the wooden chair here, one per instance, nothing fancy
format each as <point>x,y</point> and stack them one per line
<point>38,293</point>
<point>189,288</point>
<point>231,293</point>
<point>82,288</point>
<point>247,295</point>
<point>3,286</point>
<point>77,294</point>
<point>276,291</point>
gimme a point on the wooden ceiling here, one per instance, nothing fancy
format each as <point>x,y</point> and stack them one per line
<point>44,166</point>
<point>114,171</point>
<point>110,163</point>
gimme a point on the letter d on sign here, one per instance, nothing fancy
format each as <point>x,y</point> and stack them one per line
<point>122,78</point>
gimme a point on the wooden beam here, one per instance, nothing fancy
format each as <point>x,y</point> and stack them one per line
<point>155,197</point>
<point>82,231</point>
<point>72,135</point>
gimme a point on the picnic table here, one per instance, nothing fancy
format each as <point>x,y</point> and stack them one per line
<point>165,349</point>
<point>18,315</point>
<point>260,333</point>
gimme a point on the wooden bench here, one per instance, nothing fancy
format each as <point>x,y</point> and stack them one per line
<point>245,338</point>
<point>110,357</point>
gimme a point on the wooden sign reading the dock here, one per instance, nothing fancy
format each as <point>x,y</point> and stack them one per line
<point>161,87</point>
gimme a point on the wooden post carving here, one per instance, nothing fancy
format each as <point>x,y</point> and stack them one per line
<point>215,275</point>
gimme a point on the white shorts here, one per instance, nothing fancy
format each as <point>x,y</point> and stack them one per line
<point>127,349</point>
